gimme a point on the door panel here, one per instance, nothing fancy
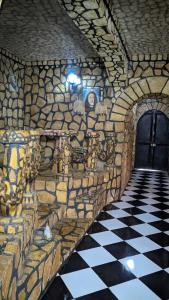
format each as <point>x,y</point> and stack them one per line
<point>143,136</point>
<point>152,141</point>
<point>143,161</point>
<point>161,136</point>
<point>160,160</point>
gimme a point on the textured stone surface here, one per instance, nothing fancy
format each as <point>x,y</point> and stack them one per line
<point>11,99</point>
<point>143,25</point>
<point>41,30</point>
<point>101,31</point>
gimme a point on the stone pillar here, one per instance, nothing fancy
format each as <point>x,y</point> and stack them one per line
<point>65,153</point>
<point>92,151</point>
<point>18,165</point>
<point>110,149</point>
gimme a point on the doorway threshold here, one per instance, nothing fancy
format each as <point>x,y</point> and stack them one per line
<point>149,170</point>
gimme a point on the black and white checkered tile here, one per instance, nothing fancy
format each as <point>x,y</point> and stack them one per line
<point>125,254</point>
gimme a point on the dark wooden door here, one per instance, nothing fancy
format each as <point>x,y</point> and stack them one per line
<point>152,141</point>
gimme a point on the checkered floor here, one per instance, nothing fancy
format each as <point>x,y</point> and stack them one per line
<point>125,254</point>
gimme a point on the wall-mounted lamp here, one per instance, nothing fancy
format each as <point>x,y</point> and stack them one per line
<point>73,80</point>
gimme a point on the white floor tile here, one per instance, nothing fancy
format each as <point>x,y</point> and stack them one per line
<point>122,205</point>
<point>147,218</point>
<point>106,238</point>
<point>118,213</point>
<point>126,198</point>
<point>150,201</point>
<point>112,224</point>
<point>83,282</point>
<point>133,290</point>
<point>132,188</point>
<point>143,244</point>
<point>139,265</point>
<point>150,195</point>
<point>96,256</point>
<point>149,208</point>
<point>130,193</point>
<point>145,229</point>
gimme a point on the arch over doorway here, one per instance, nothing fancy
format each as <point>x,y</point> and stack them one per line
<point>152,102</point>
<point>135,92</point>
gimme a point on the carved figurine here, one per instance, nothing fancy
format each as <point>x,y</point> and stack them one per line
<point>92,151</point>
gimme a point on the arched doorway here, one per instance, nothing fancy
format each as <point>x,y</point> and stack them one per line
<point>152,141</point>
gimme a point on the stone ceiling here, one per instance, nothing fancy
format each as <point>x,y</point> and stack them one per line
<point>41,30</point>
<point>143,25</point>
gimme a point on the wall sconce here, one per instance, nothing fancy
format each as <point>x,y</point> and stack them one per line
<point>73,80</point>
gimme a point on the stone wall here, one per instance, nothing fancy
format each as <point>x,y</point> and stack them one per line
<point>149,67</point>
<point>11,92</point>
<point>42,99</point>
<point>49,103</point>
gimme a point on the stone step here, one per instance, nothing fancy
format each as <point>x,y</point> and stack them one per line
<point>71,232</point>
<point>46,256</point>
<point>50,214</point>
<point>87,205</point>
<point>41,265</point>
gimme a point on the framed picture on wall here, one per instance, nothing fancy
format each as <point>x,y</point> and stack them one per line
<point>91,95</point>
<point>13,83</point>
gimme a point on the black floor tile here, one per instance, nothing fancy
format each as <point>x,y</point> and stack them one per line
<point>161,194</point>
<point>161,239</point>
<point>103,216</point>
<point>136,202</point>
<point>163,189</point>
<point>127,233</point>
<point>160,257</point>
<point>134,210</point>
<point>138,197</point>
<point>130,221</point>
<point>161,225</point>
<point>109,207</point>
<point>96,227</point>
<point>113,273</point>
<point>161,199</point>
<point>158,283</point>
<point>87,243</point>
<point>161,206</point>
<point>75,263</point>
<point>161,214</point>
<point>101,295</point>
<point>121,250</point>
<point>57,291</point>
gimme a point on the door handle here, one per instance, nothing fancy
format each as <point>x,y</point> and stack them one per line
<point>153,145</point>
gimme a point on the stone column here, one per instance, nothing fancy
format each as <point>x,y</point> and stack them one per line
<point>17,169</point>
<point>110,149</point>
<point>65,153</point>
<point>92,151</point>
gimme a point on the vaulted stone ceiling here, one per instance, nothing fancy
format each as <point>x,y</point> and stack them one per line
<point>41,30</point>
<point>143,25</point>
